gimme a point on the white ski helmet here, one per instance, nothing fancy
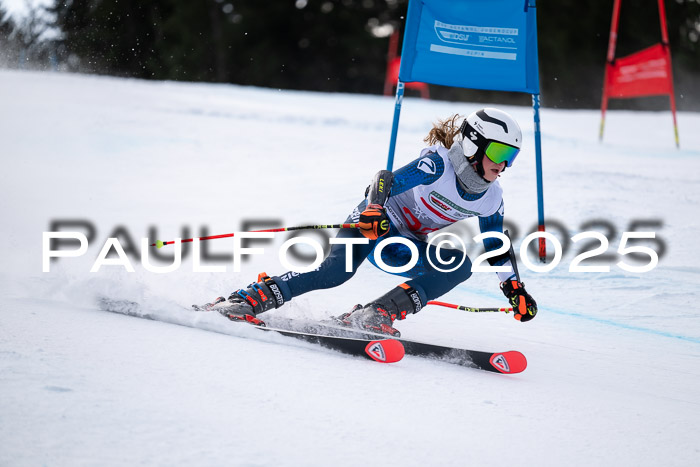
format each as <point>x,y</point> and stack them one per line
<point>492,133</point>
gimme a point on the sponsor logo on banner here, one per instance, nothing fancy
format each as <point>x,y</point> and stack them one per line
<point>501,40</point>
<point>460,33</point>
<point>476,41</point>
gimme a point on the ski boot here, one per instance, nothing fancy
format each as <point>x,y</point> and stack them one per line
<point>379,315</point>
<point>258,297</point>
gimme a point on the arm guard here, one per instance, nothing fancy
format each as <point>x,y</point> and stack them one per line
<point>378,192</point>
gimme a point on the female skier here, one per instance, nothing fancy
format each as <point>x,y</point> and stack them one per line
<point>451,180</point>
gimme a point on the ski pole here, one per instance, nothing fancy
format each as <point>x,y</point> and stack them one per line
<point>470,308</point>
<point>208,306</point>
<point>159,243</point>
<point>511,255</point>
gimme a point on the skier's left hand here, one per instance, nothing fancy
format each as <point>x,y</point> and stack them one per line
<point>524,306</point>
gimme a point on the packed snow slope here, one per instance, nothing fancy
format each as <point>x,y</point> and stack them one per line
<point>614,356</point>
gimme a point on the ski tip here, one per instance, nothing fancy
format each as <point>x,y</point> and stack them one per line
<point>385,351</point>
<point>509,362</point>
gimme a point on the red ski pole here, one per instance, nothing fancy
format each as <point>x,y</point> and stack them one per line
<point>470,308</point>
<point>159,243</point>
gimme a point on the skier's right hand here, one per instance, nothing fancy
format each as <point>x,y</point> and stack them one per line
<point>374,222</point>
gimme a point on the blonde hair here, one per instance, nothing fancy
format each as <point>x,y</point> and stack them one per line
<point>444,131</point>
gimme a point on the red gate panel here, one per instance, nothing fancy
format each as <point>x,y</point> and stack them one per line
<point>644,73</point>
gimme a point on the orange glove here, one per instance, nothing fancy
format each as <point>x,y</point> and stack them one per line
<point>524,306</point>
<point>374,222</point>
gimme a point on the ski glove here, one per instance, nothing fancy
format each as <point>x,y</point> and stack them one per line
<point>524,306</point>
<point>374,222</point>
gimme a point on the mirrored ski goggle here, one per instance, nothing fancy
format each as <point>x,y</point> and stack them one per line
<point>496,151</point>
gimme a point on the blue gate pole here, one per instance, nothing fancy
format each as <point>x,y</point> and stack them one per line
<point>395,124</point>
<point>538,168</point>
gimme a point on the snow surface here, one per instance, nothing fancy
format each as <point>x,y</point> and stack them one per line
<point>614,357</point>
